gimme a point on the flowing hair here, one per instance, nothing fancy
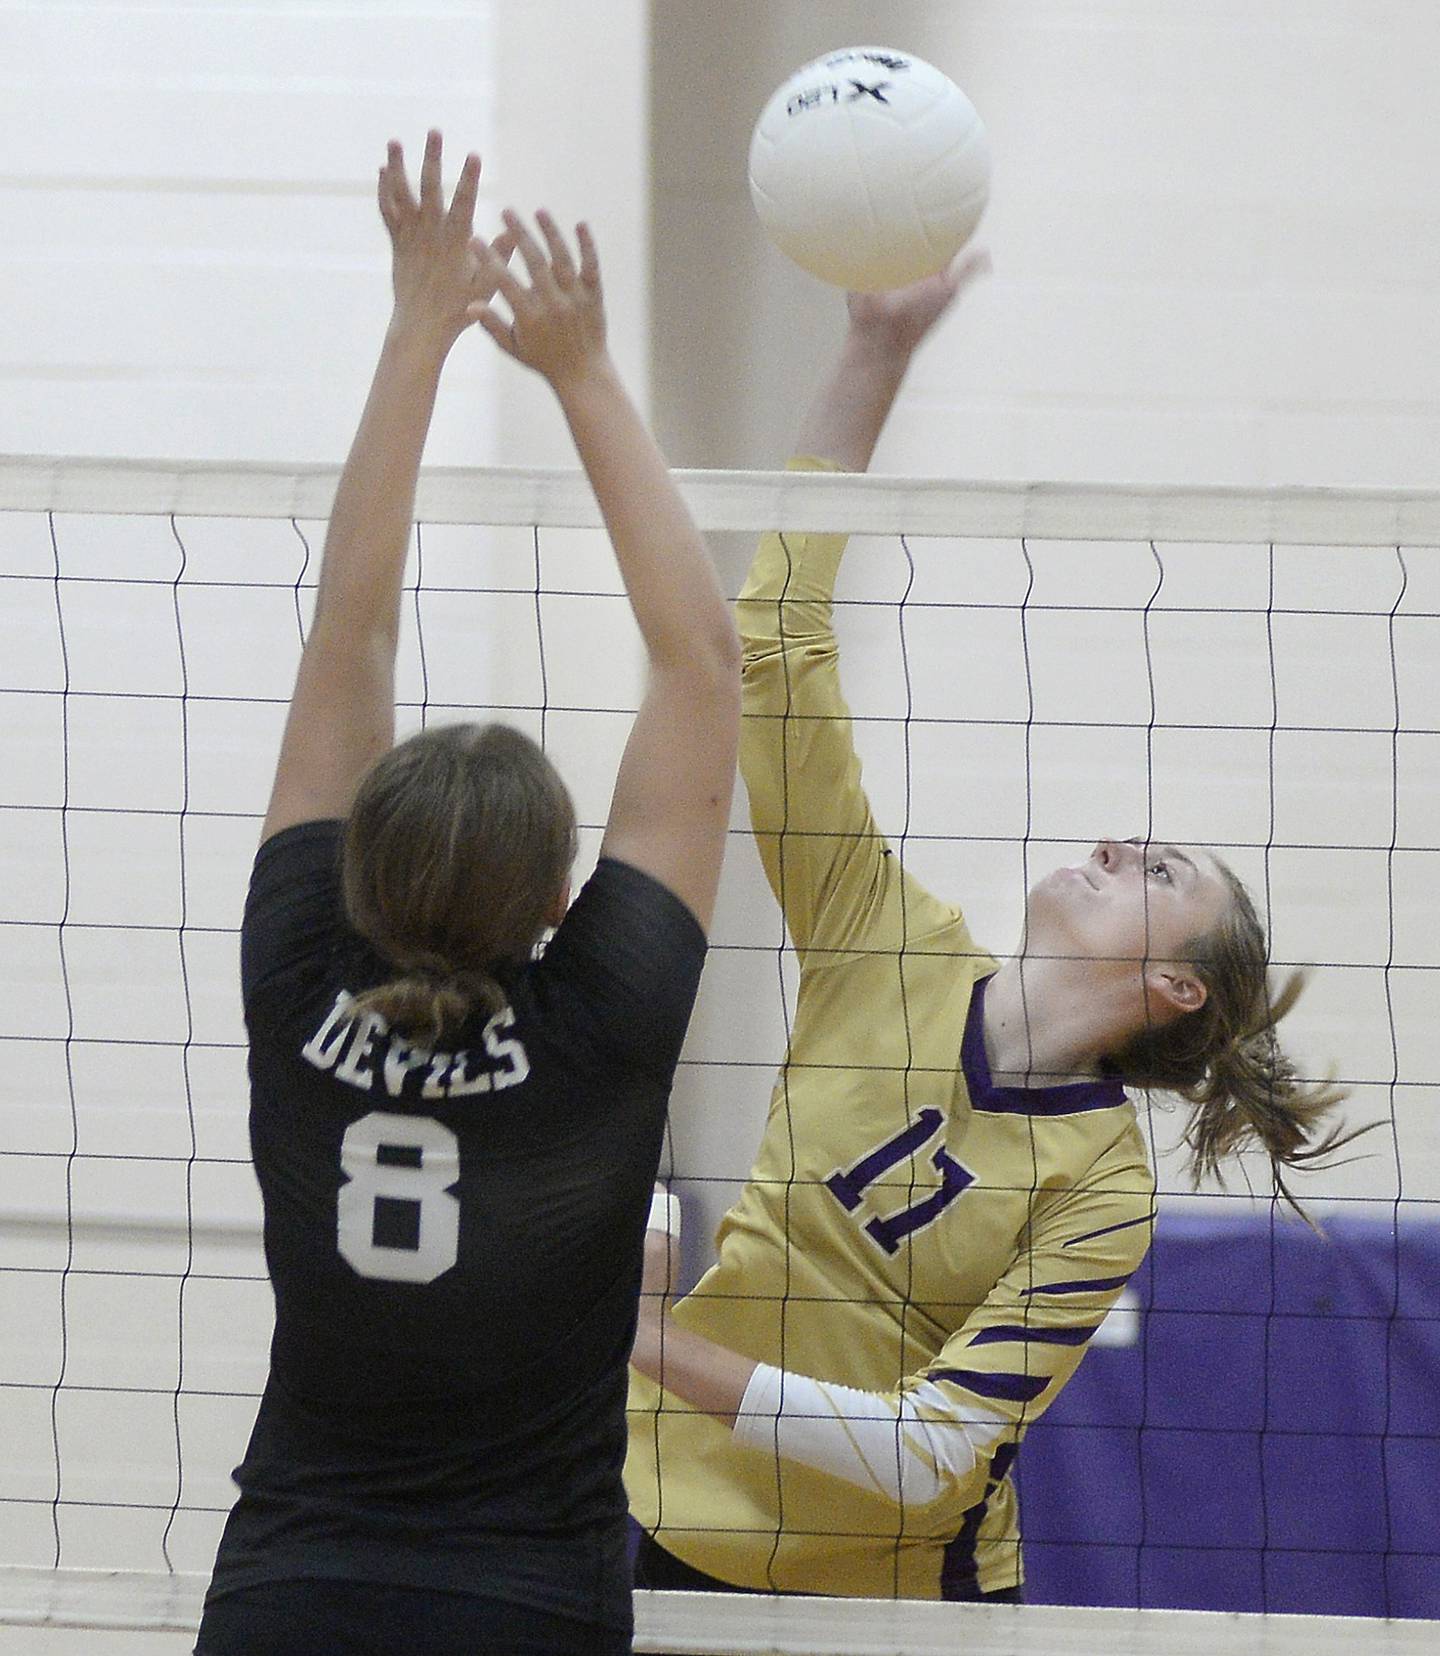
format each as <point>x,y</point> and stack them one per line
<point>1225,1059</point>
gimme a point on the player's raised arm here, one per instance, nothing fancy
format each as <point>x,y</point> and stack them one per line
<point>671,805</point>
<point>849,411</point>
<point>826,859</point>
<point>342,714</point>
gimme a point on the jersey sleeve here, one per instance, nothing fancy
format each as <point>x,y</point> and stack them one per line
<point>292,913</point>
<point>999,1372</point>
<point>623,969</point>
<point>838,882</point>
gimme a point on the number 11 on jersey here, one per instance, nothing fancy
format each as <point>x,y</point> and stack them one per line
<point>848,1185</point>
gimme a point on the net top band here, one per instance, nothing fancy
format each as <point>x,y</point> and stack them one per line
<point>749,501</point>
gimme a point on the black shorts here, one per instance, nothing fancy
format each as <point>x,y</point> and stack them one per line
<point>362,1618</point>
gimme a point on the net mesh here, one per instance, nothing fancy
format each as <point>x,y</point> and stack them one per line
<point>1028,668</point>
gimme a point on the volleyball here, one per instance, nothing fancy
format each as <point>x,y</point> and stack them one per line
<point>869,168</point>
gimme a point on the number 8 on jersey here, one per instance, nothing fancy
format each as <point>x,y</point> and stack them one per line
<point>397,1220</point>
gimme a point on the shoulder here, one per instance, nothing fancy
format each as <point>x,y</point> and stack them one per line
<point>620,903</point>
<point>293,908</point>
<point>623,969</point>
<point>301,851</point>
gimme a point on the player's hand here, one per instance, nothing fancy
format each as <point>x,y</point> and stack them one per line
<point>439,268</point>
<point>657,1280</point>
<point>557,318</point>
<point>901,318</point>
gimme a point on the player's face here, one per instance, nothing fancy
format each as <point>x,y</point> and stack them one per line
<point>1129,901</point>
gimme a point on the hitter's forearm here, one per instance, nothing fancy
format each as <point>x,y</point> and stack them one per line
<point>849,410</point>
<point>707,1376</point>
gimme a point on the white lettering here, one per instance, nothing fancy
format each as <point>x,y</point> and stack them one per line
<point>400,1059</point>
<point>510,1053</point>
<point>354,1066</point>
<point>462,1082</point>
<point>323,1047</point>
<point>440,1063</point>
<point>423,1189</point>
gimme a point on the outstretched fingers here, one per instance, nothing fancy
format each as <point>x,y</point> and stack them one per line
<point>561,263</point>
<point>557,320</point>
<point>589,258</point>
<point>492,260</point>
<point>461,216</point>
<point>969,267</point>
<point>430,196</point>
<point>395,197</point>
<point>501,331</point>
<point>537,265</point>
<point>494,264</point>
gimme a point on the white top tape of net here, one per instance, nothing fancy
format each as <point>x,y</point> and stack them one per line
<point>754,501</point>
<point>744,1625</point>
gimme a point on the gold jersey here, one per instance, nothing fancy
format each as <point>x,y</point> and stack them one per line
<point>908,1228</point>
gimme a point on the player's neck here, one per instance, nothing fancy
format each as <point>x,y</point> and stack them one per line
<point>1045,1026</point>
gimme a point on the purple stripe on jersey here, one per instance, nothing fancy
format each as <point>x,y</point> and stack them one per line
<point>1041,1336</point>
<point>1109,1230</point>
<point>1010,1388</point>
<point>1096,1285</point>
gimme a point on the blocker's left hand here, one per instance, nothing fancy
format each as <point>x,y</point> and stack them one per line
<point>440,270</point>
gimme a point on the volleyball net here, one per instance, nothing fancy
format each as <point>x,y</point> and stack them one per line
<point>1029,669</point>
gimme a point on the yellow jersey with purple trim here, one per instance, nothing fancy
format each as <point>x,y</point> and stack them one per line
<point>908,1228</point>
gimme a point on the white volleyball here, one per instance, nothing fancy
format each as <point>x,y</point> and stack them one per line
<point>869,168</point>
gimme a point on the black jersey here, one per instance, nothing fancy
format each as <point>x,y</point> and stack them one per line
<point>454,1238</point>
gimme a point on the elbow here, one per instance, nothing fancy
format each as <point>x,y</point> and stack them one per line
<point>725,648</point>
<point>727,637</point>
<point>711,655</point>
<point>702,675</point>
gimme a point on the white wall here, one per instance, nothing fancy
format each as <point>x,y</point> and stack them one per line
<point>1215,232</point>
<point>193,264</point>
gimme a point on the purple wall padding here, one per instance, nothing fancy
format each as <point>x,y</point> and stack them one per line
<point>1269,1442</point>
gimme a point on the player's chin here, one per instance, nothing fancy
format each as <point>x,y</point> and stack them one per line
<point>1061,891</point>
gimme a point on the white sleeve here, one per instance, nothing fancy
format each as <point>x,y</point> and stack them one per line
<point>878,1443</point>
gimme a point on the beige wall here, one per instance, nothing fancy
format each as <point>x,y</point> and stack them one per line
<point>1214,225</point>
<point>193,265</point>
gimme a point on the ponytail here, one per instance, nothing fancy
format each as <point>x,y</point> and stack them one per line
<point>1226,1061</point>
<point>1251,1096</point>
<point>430,999</point>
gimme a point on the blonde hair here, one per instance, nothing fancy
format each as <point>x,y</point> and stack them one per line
<point>454,854</point>
<point>1226,1061</point>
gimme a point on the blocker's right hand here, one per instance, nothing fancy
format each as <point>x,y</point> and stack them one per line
<point>558,320</point>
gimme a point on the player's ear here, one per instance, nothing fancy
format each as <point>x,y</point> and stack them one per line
<point>1175,988</point>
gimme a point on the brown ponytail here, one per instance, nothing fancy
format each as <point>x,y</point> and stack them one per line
<point>455,851</point>
<point>430,999</point>
<point>1226,1061</point>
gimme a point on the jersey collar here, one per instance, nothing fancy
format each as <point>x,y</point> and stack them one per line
<point>1070,1099</point>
